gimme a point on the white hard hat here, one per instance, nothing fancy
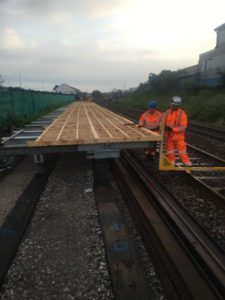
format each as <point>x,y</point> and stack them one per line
<point>176,101</point>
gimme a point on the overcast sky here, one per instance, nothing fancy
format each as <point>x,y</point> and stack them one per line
<point>101,44</point>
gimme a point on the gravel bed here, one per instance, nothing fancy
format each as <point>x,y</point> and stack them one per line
<point>198,203</point>
<point>214,183</point>
<point>13,185</point>
<point>207,144</point>
<point>211,125</point>
<point>62,254</point>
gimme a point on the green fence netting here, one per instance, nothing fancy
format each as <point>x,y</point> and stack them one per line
<point>19,105</point>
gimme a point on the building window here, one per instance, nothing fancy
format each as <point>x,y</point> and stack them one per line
<point>207,64</point>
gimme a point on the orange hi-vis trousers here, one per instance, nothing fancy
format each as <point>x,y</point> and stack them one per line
<point>180,145</point>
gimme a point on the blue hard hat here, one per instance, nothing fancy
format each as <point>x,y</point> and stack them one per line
<point>152,104</point>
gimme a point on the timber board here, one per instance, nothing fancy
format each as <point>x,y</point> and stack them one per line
<point>88,123</point>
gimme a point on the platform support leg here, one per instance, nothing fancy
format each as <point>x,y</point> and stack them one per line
<point>39,160</point>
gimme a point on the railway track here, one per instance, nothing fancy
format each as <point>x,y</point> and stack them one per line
<point>127,278</point>
<point>214,133</point>
<point>204,268</point>
<point>211,132</point>
<point>62,242</point>
<point>190,265</point>
<point>211,181</point>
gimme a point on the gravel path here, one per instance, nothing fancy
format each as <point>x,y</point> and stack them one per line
<point>62,254</point>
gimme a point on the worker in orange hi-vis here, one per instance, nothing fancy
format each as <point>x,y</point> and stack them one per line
<point>151,119</point>
<point>175,125</point>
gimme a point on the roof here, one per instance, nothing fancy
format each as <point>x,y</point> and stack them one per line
<point>64,84</point>
<point>221,27</point>
<point>72,87</point>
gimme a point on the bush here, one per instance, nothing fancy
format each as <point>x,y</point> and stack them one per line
<point>206,105</point>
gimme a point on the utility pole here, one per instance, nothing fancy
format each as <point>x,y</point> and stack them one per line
<point>20,80</point>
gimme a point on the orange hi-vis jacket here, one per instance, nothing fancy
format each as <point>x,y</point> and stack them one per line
<point>150,121</point>
<point>177,120</point>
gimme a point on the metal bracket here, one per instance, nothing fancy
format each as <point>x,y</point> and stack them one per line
<point>39,158</point>
<point>103,154</point>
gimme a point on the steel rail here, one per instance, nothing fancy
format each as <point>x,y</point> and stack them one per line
<point>212,156</point>
<point>184,215</point>
<point>218,197</point>
<point>214,133</point>
<point>196,179</point>
<point>200,259</point>
<point>12,136</point>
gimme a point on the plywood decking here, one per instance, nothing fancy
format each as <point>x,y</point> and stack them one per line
<point>88,123</point>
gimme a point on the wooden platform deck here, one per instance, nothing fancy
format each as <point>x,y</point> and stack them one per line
<point>88,123</point>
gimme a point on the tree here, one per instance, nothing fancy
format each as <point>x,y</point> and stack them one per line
<point>221,72</point>
<point>97,95</point>
<point>165,82</point>
<point>2,80</point>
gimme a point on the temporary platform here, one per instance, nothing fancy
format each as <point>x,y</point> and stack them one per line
<point>83,126</point>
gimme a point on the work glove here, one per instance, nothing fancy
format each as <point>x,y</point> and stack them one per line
<point>155,129</point>
<point>168,129</point>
